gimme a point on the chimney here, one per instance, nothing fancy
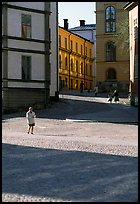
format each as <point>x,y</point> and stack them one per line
<point>82,22</point>
<point>66,24</point>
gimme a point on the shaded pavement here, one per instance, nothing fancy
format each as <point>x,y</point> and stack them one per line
<point>72,157</point>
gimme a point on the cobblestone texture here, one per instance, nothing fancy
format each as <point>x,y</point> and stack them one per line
<point>78,161</point>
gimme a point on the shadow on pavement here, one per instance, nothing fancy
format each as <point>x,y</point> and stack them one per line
<point>69,175</point>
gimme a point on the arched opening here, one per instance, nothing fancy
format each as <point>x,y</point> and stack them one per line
<point>111,75</point>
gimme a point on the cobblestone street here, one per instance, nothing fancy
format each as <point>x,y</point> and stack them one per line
<point>75,155</point>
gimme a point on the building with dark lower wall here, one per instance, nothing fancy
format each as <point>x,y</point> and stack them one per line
<point>26,51</point>
<point>132,8</point>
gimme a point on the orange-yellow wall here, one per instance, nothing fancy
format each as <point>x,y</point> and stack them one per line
<point>65,72</point>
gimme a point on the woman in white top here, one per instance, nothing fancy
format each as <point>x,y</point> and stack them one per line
<point>30,115</point>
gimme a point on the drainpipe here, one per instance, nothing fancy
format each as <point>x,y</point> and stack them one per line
<point>57,77</point>
<point>47,52</point>
<point>84,61</point>
<point>69,59</point>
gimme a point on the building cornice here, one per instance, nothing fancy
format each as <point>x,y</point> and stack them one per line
<point>25,8</point>
<point>130,5</point>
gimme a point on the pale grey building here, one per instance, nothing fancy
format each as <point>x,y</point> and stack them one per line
<point>26,54</point>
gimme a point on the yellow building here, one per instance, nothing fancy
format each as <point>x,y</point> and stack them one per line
<point>112,65</point>
<point>75,61</point>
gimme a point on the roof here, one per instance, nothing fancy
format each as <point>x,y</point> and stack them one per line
<point>84,27</point>
<point>130,5</point>
<point>76,34</point>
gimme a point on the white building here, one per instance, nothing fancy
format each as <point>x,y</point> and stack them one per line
<point>26,49</point>
<point>87,31</point>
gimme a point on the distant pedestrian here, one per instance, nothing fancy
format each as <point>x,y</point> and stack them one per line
<point>30,115</point>
<point>81,87</point>
<point>116,96</point>
<point>110,96</point>
<point>95,90</point>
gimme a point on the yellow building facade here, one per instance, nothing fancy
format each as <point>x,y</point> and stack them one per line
<point>112,65</point>
<point>75,61</point>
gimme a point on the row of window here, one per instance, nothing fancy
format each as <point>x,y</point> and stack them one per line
<point>76,47</point>
<point>74,84</point>
<point>110,14</point>
<point>77,66</point>
<point>26,69</point>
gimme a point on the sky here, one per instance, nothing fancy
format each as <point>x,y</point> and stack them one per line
<point>75,11</point>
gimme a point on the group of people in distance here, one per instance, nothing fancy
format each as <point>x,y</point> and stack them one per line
<point>114,96</point>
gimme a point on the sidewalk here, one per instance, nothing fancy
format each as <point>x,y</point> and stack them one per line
<point>122,112</point>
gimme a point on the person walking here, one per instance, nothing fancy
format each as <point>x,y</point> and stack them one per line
<point>110,96</point>
<point>116,96</point>
<point>81,87</point>
<point>30,115</point>
<point>96,90</point>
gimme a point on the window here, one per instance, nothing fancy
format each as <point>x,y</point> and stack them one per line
<point>26,67</point>
<point>77,67</point>
<point>66,82</point>
<point>111,74</point>
<point>86,70</point>
<point>90,53</point>
<point>66,62</point>
<point>110,52</point>
<point>26,26</point>
<point>81,67</point>
<point>71,83</point>
<point>66,43</point>
<point>110,16</point>
<point>60,61</point>
<point>60,40</point>
<point>135,32</point>
<point>81,49</point>
<point>71,45</point>
<point>76,47</point>
<point>90,70</point>
<point>86,50</point>
<point>71,64</point>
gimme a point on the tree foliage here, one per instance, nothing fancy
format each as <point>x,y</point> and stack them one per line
<point>122,41</point>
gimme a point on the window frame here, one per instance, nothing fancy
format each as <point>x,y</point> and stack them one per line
<point>77,66</point>
<point>110,23</point>
<point>109,73</point>
<point>110,52</point>
<point>26,29</point>
<point>66,43</point>
<point>26,67</point>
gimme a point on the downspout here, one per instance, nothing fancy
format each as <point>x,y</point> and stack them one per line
<point>84,62</point>
<point>57,44</point>
<point>47,52</point>
<point>57,52</point>
<point>69,59</point>
<point>5,57</point>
